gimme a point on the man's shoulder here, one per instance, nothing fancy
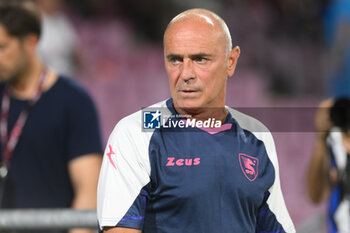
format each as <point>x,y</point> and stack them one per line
<point>247,122</point>
<point>254,127</point>
<point>134,121</point>
<point>70,92</point>
<point>69,86</point>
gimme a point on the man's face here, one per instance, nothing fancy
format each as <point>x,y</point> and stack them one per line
<point>197,65</point>
<point>12,56</point>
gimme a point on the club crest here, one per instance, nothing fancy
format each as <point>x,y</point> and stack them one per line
<point>249,166</point>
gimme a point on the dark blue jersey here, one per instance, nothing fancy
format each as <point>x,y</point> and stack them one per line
<point>180,177</point>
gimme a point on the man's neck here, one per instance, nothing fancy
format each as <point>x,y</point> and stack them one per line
<point>26,84</point>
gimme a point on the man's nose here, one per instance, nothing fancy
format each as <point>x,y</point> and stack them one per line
<point>187,71</point>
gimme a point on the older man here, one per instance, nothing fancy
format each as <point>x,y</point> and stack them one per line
<point>205,167</point>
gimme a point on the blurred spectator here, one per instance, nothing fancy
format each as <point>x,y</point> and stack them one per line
<point>58,43</point>
<point>50,141</point>
<point>329,169</point>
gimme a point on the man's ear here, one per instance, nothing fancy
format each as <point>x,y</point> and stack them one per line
<point>232,60</point>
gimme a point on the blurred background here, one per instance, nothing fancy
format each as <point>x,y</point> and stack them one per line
<point>290,50</point>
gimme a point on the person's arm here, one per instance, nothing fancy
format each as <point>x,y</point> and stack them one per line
<point>121,230</point>
<point>125,172</point>
<point>84,172</point>
<point>83,147</point>
<point>318,182</point>
<point>273,214</point>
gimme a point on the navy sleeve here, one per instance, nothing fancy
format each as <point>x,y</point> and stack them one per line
<point>83,131</point>
<point>266,220</point>
<point>134,218</point>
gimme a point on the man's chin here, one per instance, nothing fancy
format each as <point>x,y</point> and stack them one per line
<point>188,106</point>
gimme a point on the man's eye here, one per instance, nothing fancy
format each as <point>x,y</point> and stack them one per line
<point>175,60</point>
<point>200,59</point>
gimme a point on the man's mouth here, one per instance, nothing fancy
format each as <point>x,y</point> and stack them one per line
<point>188,90</point>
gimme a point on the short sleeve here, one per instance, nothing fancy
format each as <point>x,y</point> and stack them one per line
<point>273,215</point>
<point>82,128</point>
<point>123,178</point>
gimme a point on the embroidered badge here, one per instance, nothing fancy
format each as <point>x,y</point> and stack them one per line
<point>249,166</point>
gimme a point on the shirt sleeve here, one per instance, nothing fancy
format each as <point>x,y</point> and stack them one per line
<point>83,134</point>
<point>273,215</point>
<point>124,174</point>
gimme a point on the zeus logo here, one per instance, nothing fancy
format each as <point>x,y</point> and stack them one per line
<point>182,162</point>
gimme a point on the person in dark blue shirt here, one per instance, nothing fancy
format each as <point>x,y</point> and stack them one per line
<point>191,164</point>
<point>50,138</point>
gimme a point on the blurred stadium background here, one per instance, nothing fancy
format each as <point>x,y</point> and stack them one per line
<point>282,64</point>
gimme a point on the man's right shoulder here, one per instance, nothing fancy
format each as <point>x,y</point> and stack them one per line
<point>134,122</point>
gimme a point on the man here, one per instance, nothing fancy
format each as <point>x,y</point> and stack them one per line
<point>181,177</point>
<point>50,144</point>
<point>329,169</point>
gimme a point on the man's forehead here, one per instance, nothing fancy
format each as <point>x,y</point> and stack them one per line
<point>192,26</point>
<point>191,29</point>
<point>190,37</point>
<point>190,51</point>
<point>195,28</point>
